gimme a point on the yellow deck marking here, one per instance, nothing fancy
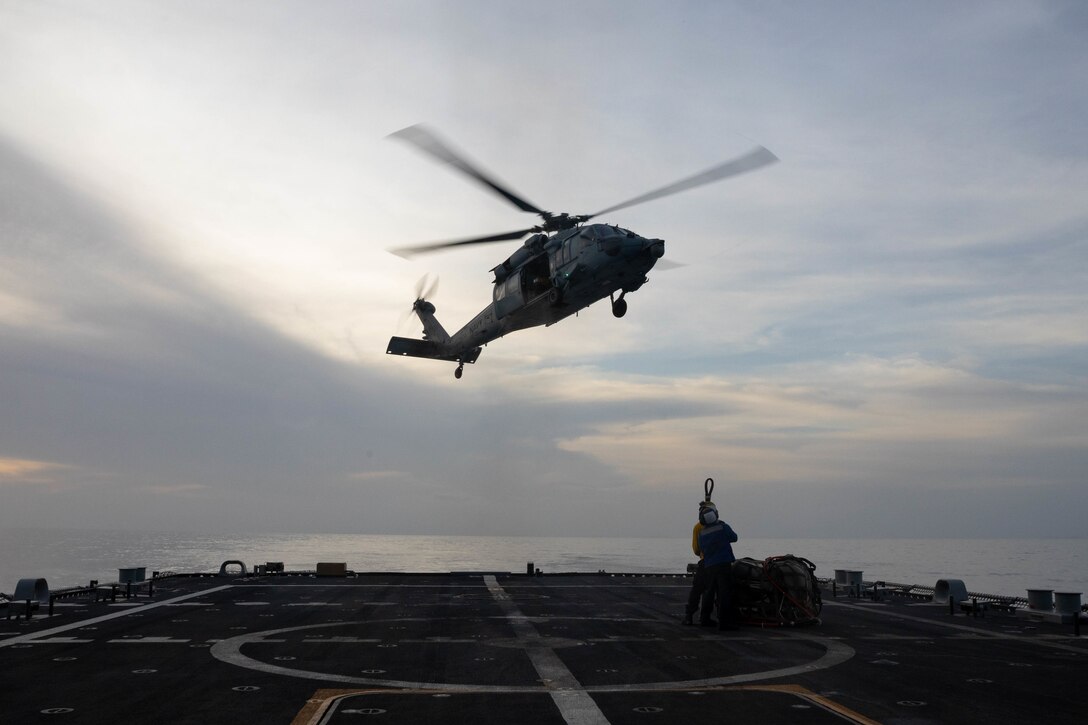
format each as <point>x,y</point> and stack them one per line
<point>818,700</point>
<point>322,701</point>
<point>318,705</point>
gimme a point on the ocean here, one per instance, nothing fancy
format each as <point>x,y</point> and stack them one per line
<point>994,566</point>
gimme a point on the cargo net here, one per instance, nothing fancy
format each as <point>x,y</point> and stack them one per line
<point>781,591</point>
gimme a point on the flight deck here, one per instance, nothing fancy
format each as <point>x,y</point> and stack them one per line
<point>501,648</point>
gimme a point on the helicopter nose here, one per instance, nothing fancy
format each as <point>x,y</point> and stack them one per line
<point>656,247</point>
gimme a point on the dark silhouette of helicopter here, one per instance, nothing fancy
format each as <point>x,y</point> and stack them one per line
<point>564,266</point>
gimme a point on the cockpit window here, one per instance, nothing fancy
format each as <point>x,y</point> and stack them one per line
<point>598,231</point>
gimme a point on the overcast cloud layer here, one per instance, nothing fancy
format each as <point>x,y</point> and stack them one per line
<point>885,334</point>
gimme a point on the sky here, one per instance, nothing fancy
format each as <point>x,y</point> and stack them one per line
<point>883,335</point>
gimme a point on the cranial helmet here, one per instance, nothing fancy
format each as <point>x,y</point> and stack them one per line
<point>708,515</point>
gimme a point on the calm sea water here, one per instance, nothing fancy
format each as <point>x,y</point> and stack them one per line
<point>996,566</point>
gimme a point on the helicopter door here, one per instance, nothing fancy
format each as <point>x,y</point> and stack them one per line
<point>535,278</point>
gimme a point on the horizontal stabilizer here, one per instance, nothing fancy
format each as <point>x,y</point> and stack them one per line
<point>425,348</point>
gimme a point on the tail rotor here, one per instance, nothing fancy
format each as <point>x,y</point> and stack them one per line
<point>425,288</point>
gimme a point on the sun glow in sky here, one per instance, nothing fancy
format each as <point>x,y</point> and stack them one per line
<point>886,333</point>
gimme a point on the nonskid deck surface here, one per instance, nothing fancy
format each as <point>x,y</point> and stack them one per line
<point>513,648</point>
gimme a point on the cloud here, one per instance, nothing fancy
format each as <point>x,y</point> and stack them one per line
<point>22,472</point>
<point>195,204</point>
<point>181,489</point>
<point>375,475</point>
<point>863,420</point>
<point>155,383</point>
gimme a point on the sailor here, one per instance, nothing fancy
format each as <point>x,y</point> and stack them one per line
<point>699,581</point>
<point>715,541</point>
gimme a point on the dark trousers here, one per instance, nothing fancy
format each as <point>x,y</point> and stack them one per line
<point>719,586</point>
<point>698,587</point>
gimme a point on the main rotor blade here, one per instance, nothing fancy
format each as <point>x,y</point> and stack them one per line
<point>427,142</point>
<point>409,252</point>
<point>752,160</point>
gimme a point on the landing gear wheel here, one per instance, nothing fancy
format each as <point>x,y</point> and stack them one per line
<point>459,371</point>
<point>619,307</point>
<point>554,296</point>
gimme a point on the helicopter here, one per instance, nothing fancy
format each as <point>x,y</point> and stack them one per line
<point>563,266</point>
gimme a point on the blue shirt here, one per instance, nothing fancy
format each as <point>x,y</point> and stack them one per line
<point>715,541</point>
